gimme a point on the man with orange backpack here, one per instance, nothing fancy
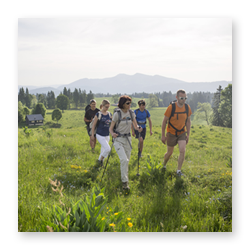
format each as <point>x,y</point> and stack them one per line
<point>178,117</point>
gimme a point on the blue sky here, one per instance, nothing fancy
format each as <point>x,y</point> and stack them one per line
<point>57,51</point>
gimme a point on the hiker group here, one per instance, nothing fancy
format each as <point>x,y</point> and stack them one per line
<point>100,124</point>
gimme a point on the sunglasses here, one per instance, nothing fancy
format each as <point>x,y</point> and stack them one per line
<point>182,98</point>
<point>128,103</point>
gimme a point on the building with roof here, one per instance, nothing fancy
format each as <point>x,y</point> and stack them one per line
<point>35,119</point>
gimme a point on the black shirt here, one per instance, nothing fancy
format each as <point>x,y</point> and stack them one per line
<point>90,114</point>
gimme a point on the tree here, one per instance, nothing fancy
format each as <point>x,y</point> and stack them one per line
<point>28,98</point>
<point>51,100</point>
<point>76,97</point>
<point>33,101</point>
<point>42,99</point>
<point>90,96</point>
<point>62,102</point>
<point>21,96</point>
<point>115,98</point>
<point>26,111</point>
<point>203,112</point>
<point>39,109</point>
<point>153,101</point>
<point>20,112</point>
<point>56,114</point>
<point>216,118</point>
<point>83,98</point>
<point>225,108</point>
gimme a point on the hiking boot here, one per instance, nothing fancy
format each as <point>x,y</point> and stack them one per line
<point>164,168</point>
<point>93,150</point>
<point>180,174</point>
<point>125,186</point>
<point>100,163</point>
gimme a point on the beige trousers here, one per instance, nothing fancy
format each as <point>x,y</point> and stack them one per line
<point>123,150</point>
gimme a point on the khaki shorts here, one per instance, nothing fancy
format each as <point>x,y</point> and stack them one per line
<point>172,140</point>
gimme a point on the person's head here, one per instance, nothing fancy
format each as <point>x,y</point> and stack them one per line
<point>92,104</point>
<point>105,105</point>
<point>142,104</point>
<point>124,102</point>
<point>181,96</point>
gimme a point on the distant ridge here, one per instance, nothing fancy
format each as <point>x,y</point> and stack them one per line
<point>129,84</point>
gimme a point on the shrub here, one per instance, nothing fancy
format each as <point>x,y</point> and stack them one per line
<point>83,216</point>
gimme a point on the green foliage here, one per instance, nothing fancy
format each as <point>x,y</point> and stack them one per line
<point>216,118</point>
<point>158,200</point>
<point>153,167</point>
<point>20,112</point>
<point>203,112</point>
<point>39,109</point>
<point>62,102</point>
<point>27,131</point>
<point>85,215</point>
<point>153,101</point>
<point>26,111</point>
<point>115,98</point>
<point>90,96</point>
<point>56,114</point>
<point>230,162</point>
<point>225,108</point>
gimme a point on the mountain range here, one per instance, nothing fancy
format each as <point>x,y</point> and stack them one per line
<point>129,84</point>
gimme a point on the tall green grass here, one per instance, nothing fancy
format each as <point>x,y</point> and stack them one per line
<point>158,200</point>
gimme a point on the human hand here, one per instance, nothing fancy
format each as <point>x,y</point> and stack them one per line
<point>151,132</point>
<point>114,135</point>
<point>187,139</point>
<point>163,139</point>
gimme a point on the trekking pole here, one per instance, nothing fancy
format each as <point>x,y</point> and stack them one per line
<point>138,154</point>
<point>108,158</point>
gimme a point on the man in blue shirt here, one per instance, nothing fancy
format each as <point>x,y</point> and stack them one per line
<point>141,117</point>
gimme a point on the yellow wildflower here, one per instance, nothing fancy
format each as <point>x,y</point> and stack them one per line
<point>130,224</point>
<point>112,225</point>
<point>116,213</point>
<point>103,218</point>
<point>128,218</point>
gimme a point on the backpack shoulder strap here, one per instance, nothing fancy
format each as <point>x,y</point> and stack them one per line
<point>131,114</point>
<point>99,115</point>
<point>173,109</point>
<point>137,110</point>
<point>146,113</point>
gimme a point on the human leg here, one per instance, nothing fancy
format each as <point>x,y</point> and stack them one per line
<point>182,149</point>
<point>105,148</point>
<point>170,151</point>
<point>171,142</point>
<point>120,145</point>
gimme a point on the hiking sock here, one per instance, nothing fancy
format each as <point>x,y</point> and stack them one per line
<point>164,166</point>
<point>178,171</point>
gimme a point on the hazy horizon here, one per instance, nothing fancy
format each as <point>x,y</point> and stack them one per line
<point>59,51</point>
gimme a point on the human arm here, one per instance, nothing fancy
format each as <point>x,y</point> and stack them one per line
<point>188,126</point>
<point>93,127</point>
<point>163,129</point>
<point>136,127</point>
<point>150,125</point>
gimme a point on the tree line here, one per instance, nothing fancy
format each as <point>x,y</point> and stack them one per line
<point>215,108</point>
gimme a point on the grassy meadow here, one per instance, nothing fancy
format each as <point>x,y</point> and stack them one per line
<point>158,201</point>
